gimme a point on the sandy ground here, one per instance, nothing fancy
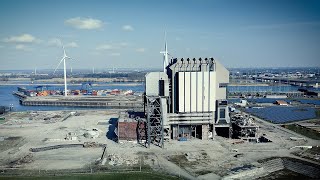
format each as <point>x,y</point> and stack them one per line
<point>192,159</point>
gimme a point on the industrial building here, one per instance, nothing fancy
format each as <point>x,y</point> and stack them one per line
<point>187,100</point>
<point>184,101</point>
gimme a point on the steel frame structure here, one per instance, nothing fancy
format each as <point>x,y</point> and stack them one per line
<point>155,130</point>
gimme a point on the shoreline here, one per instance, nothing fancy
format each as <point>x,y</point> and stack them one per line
<point>48,84</point>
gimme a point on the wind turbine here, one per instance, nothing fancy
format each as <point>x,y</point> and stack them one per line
<point>165,53</point>
<point>64,69</point>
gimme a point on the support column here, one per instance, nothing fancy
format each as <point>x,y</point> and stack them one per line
<point>204,132</point>
<point>213,131</point>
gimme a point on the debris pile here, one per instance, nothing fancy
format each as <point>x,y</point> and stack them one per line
<point>195,156</point>
<point>92,134</point>
<point>117,160</point>
<point>242,120</point>
<point>244,127</point>
<point>71,136</point>
<point>91,145</point>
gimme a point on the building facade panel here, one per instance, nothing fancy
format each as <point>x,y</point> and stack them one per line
<point>187,91</point>
<point>199,92</point>
<point>206,88</point>
<point>181,93</point>
<point>193,93</point>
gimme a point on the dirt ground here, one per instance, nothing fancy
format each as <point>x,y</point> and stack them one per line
<point>192,159</point>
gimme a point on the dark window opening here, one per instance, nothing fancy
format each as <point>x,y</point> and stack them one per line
<point>222,113</point>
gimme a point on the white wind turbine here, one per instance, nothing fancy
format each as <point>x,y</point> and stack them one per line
<point>64,69</point>
<point>165,53</point>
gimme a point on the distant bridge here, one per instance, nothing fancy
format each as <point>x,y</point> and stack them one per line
<point>299,82</point>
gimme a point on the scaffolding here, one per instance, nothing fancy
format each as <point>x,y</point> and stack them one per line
<point>155,130</point>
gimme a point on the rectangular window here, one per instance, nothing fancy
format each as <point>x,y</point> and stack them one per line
<point>222,113</point>
<point>223,103</point>
<point>161,87</point>
<point>223,85</point>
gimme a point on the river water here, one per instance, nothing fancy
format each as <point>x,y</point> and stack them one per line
<point>7,99</point>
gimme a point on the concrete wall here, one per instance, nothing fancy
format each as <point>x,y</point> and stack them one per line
<point>152,83</point>
<point>127,131</point>
<point>197,85</point>
<point>196,91</point>
<point>222,76</point>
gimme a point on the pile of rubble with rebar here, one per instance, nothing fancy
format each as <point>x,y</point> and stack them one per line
<point>244,127</point>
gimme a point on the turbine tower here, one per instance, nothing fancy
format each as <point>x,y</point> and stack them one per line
<point>165,53</point>
<point>64,69</point>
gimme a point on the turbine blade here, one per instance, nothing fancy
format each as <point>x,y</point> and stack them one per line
<point>165,36</point>
<point>165,41</point>
<point>64,51</point>
<point>58,65</point>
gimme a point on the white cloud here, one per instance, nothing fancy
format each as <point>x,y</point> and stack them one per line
<point>127,28</point>
<point>22,47</point>
<point>105,47</point>
<point>115,54</point>
<point>72,45</point>
<point>141,50</point>
<point>23,38</point>
<point>123,44</point>
<point>112,46</point>
<point>84,23</point>
<point>57,42</point>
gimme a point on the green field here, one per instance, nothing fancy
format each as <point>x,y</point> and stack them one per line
<point>318,113</point>
<point>304,131</point>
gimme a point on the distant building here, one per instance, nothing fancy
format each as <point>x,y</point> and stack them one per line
<point>281,103</point>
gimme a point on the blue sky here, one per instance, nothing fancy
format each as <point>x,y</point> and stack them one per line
<point>130,34</point>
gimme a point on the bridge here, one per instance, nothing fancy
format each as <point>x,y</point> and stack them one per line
<point>298,82</point>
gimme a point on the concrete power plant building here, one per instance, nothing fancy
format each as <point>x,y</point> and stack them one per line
<point>187,100</point>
